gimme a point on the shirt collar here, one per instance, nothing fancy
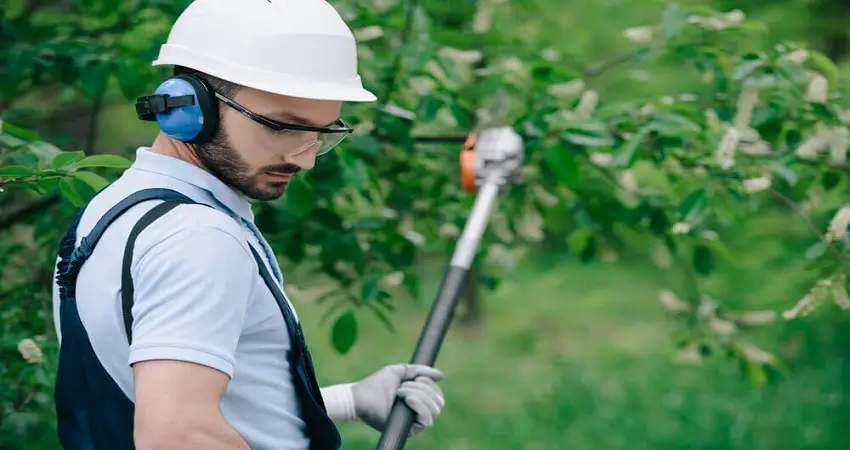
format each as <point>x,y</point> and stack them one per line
<point>226,196</point>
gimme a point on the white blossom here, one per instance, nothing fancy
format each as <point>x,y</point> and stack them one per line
<point>602,159</point>
<point>671,302</point>
<point>681,228</point>
<point>816,91</point>
<point>747,101</point>
<point>462,56</point>
<point>713,120</point>
<point>30,351</point>
<point>550,54</point>
<point>568,89</point>
<point>725,153</point>
<point>797,56</point>
<point>483,18</point>
<point>638,35</point>
<point>721,326</point>
<point>587,104</point>
<point>735,16</point>
<point>660,254</point>
<point>393,279</point>
<point>839,139</point>
<point>754,318</point>
<point>414,237</point>
<point>753,353</point>
<point>530,226</point>
<point>449,230</point>
<point>838,225</point>
<point>754,185</point>
<point>368,33</point>
<point>546,198</point>
<point>839,293</point>
<point>810,148</point>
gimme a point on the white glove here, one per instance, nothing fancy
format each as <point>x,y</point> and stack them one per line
<point>371,399</point>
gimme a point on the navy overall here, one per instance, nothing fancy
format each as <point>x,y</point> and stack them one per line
<point>92,411</point>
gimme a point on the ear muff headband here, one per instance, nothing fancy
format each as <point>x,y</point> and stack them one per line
<point>185,108</point>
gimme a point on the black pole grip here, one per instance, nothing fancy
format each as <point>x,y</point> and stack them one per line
<point>401,416</point>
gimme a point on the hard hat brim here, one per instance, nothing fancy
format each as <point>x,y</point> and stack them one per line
<point>350,90</point>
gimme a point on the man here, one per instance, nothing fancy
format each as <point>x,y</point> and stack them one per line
<point>175,332</point>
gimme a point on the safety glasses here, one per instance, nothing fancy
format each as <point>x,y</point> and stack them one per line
<point>326,138</point>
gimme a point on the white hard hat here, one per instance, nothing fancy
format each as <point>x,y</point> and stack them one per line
<point>299,48</point>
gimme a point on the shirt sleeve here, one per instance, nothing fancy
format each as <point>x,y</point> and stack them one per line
<point>192,291</point>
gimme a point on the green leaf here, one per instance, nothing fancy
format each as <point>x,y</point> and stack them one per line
<point>704,260</point>
<point>94,180</point>
<point>11,172</point>
<point>830,180</point>
<point>363,145</point>
<point>355,172</point>
<point>63,159</point>
<point>692,206</point>
<point>344,332</point>
<point>824,65</point>
<point>579,239</point>
<point>382,316</point>
<point>114,161</point>
<point>755,373</point>
<point>587,132</point>
<point>673,20</point>
<point>411,282</point>
<point>77,191</point>
<point>673,125</point>
<point>300,196</point>
<point>816,250</point>
<point>744,68</point>
<point>45,151</point>
<point>18,132</point>
<point>428,108</point>
<point>625,156</point>
<point>370,291</point>
<point>562,163</point>
<point>589,141</point>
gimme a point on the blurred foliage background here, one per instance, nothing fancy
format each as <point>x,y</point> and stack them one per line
<point>671,275</point>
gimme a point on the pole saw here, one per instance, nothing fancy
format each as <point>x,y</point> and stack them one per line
<point>491,159</point>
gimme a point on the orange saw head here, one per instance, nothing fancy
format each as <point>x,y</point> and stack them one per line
<point>492,153</point>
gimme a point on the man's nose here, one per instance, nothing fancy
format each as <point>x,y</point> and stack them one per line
<point>305,157</point>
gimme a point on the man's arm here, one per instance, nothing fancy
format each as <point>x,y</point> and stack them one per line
<point>177,407</point>
<point>192,292</point>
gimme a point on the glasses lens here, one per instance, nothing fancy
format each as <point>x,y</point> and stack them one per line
<point>328,141</point>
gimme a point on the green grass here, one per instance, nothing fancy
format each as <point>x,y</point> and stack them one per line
<point>580,357</point>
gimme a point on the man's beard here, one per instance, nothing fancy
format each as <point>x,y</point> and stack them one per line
<point>222,161</point>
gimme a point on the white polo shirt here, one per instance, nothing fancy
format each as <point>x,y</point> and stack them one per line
<point>198,297</point>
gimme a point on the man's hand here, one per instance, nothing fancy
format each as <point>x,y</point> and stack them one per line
<point>416,384</point>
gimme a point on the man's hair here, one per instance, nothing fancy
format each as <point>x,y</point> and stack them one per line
<point>223,87</point>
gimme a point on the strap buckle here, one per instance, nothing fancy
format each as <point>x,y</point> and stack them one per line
<point>148,106</point>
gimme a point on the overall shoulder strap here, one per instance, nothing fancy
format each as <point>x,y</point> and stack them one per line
<point>124,205</point>
<point>127,288</point>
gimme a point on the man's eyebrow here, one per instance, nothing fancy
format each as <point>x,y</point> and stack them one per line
<point>294,118</point>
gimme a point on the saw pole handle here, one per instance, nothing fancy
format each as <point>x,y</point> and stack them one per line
<point>401,416</point>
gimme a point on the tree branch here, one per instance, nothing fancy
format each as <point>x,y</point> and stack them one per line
<point>796,208</point>
<point>28,209</point>
<point>593,72</point>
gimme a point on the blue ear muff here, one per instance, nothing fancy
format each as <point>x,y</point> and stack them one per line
<point>184,107</point>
